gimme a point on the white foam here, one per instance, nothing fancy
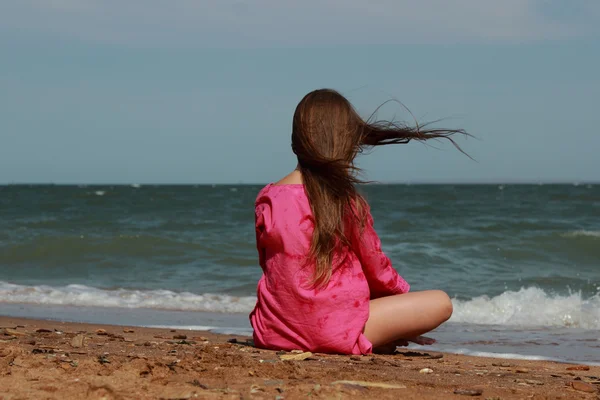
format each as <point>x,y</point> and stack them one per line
<point>530,307</point>
<point>582,233</point>
<point>80,295</point>
<point>99,192</point>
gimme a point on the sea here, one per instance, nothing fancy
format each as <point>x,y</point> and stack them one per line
<point>521,262</point>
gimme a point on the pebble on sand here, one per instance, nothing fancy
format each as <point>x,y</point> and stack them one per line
<point>381,385</point>
<point>256,389</point>
<point>503,365</point>
<point>469,392</point>
<point>583,387</point>
<point>77,341</point>
<point>12,332</point>
<point>578,368</point>
<point>296,357</point>
<point>529,382</point>
<point>426,371</point>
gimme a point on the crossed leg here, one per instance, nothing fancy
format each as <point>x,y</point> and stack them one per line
<point>396,320</point>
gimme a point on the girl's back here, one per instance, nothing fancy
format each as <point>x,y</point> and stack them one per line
<point>290,313</point>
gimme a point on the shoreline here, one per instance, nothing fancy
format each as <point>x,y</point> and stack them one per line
<point>563,345</point>
<point>65,360</point>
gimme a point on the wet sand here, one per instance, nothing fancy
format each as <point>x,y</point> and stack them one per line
<point>56,360</point>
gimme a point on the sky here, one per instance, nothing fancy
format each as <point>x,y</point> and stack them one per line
<point>203,91</point>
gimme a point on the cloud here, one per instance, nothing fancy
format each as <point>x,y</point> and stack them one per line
<point>267,23</point>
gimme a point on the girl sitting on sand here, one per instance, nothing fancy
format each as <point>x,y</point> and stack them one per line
<point>327,286</point>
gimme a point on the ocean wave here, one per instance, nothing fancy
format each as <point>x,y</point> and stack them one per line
<point>528,307</point>
<point>582,233</point>
<point>85,296</point>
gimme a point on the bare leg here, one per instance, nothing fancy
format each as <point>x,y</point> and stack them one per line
<point>406,317</point>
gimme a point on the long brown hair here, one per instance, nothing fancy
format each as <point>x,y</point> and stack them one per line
<point>327,134</point>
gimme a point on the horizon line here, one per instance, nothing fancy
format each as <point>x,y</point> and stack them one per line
<point>508,182</point>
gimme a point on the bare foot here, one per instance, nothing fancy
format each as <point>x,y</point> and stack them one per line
<point>422,340</point>
<point>390,348</point>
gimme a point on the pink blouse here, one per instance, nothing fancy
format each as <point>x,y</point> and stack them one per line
<point>290,315</point>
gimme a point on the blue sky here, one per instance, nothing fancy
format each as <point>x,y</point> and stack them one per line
<point>186,91</point>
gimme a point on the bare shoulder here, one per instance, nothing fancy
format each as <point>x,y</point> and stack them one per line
<point>294,178</point>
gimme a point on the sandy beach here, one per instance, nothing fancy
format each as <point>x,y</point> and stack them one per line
<point>56,360</point>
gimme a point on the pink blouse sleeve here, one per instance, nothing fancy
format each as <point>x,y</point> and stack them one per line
<point>383,279</point>
<point>262,219</point>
